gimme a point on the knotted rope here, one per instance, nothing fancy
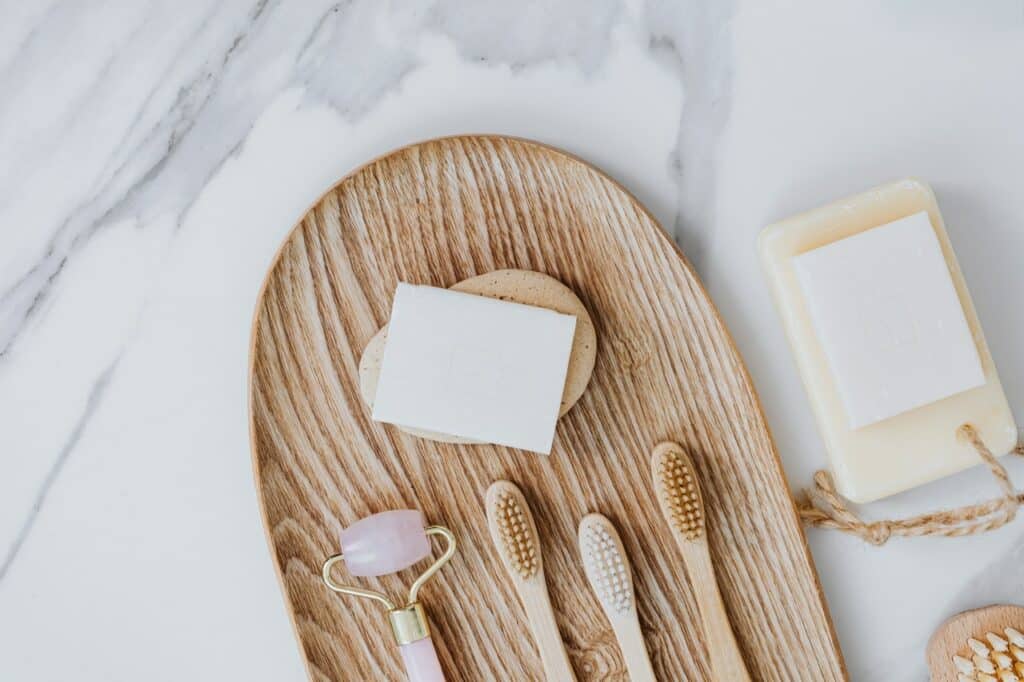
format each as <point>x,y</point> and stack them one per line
<point>822,507</point>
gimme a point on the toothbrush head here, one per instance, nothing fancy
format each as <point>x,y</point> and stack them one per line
<point>606,565</point>
<point>513,530</point>
<point>675,482</point>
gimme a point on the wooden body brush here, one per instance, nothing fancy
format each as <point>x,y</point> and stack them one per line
<point>983,645</point>
<point>515,535</point>
<point>675,481</point>
<point>609,573</point>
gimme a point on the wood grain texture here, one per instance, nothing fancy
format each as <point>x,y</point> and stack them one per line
<point>442,211</point>
<point>950,639</point>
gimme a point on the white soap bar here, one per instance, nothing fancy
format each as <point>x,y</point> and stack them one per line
<point>889,320</point>
<point>475,367</point>
<point>916,445</point>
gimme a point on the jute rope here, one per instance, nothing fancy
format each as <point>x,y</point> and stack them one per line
<point>822,507</point>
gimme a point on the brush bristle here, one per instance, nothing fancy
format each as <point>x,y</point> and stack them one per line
<point>606,567</point>
<point>678,491</point>
<point>999,658</point>
<point>518,543</point>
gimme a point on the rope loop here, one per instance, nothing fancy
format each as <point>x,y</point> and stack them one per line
<point>821,506</point>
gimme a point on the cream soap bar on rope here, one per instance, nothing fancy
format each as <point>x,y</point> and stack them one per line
<point>886,338</point>
<point>474,367</point>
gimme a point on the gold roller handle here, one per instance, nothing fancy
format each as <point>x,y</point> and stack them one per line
<point>408,622</point>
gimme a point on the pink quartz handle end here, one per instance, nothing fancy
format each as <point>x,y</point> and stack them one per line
<point>421,664</point>
<point>385,543</point>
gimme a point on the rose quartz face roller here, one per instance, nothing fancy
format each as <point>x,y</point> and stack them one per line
<point>387,543</point>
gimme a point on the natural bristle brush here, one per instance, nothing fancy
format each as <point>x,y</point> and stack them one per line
<point>983,645</point>
<point>679,496</point>
<point>515,535</point>
<point>607,568</point>
<point>387,543</point>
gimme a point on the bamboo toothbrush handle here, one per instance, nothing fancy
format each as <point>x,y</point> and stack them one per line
<point>634,651</point>
<point>726,659</point>
<point>545,631</point>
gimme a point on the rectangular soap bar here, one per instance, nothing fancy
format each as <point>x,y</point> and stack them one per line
<point>862,337</point>
<point>884,308</point>
<point>473,366</point>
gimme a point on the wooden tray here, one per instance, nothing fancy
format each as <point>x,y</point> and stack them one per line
<point>442,211</point>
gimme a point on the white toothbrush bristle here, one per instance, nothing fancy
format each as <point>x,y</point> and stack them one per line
<point>606,567</point>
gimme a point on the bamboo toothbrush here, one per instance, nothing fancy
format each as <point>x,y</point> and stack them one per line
<point>607,568</point>
<point>683,507</point>
<point>515,535</point>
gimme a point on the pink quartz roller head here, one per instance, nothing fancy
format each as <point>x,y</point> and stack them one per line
<point>386,543</point>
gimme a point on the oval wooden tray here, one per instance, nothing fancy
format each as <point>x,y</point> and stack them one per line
<point>439,212</point>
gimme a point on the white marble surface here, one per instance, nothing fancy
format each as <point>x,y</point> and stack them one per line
<point>154,154</point>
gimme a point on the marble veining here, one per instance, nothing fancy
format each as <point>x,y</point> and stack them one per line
<point>94,398</point>
<point>693,40</point>
<point>154,154</point>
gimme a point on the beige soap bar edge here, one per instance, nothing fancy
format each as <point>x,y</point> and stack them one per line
<point>912,448</point>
